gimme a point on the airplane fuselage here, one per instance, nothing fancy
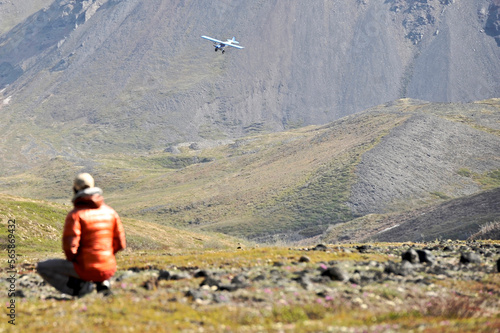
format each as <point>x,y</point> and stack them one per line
<point>220,45</point>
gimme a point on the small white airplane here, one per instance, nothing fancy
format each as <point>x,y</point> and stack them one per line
<point>220,45</point>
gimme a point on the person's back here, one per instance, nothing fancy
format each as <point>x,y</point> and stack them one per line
<point>92,234</point>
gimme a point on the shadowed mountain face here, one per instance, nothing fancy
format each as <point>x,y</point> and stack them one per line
<point>492,27</point>
<point>82,77</point>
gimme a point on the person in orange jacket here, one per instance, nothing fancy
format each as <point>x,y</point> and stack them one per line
<point>93,234</point>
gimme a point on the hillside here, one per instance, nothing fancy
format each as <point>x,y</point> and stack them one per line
<point>295,185</point>
<point>80,78</point>
<point>458,218</point>
<point>39,224</point>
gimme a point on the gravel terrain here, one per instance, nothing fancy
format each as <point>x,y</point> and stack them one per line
<point>443,280</point>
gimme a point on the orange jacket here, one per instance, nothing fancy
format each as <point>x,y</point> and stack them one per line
<point>93,233</point>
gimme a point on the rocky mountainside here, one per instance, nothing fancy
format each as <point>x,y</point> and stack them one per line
<point>455,219</point>
<point>84,77</point>
<point>344,181</point>
<point>492,17</point>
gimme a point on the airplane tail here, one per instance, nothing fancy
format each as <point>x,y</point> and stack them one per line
<point>234,40</point>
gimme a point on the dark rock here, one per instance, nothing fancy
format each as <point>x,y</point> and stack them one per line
<point>228,287</point>
<point>150,284</point>
<point>411,256</point>
<point>404,268</point>
<point>259,277</point>
<point>363,248</point>
<point>335,274</point>
<point>319,247</point>
<point>135,269</point>
<point>304,259</point>
<point>470,258</point>
<point>426,256</point>
<point>238,279</point>
<point>210,282</point>
<point>498,265</point>
<point>378,276</point>
<point>172,149</point>
<point>304,281</point>
<point>390,268</point>
<point>201,273</point>
<point>355,278</point>
<point>164,275</point>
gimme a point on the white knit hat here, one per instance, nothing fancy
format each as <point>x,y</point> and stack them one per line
<point>82,181</point>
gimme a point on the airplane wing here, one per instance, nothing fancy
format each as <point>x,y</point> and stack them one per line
<point>236,46</point>
<point>213,39</point>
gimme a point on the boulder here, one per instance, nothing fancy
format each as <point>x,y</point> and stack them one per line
<point>426,256</point>
<point>411,256</point>
<point>336,274</point>
<point>470,258</point>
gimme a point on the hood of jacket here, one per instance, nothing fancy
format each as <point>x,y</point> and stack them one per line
<point>90,197</point>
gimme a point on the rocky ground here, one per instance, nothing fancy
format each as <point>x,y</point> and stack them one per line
<point>446,286</point>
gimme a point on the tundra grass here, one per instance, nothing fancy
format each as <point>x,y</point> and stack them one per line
<point>442,306</point>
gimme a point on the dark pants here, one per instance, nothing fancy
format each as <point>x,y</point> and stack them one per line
<point>61,274</point>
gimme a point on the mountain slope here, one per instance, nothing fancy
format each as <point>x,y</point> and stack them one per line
<point>297,184</point>
<point>39,224</point>
<point>456,219</point>
<point>435,150</point>
<point>452,219</point>
<point>86,77</point>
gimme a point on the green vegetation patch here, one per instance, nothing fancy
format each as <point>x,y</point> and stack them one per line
<point>38,225</point>
<point>179,162</point>
<point>488,180</point>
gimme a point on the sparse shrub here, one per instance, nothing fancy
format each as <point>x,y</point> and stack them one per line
<point>248,317</point>
<point>488,231</point>
<point>288,314</point>
<point>135,242</point>
<point>453,306</point>
<point>315,311</point>
<point>389,293</point>
<point>490,179</point>
<point>464,172</point>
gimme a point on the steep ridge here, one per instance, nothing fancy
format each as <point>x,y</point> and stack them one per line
<point>455,219</point>
<point>80,78</point>
<point>435,150</point>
